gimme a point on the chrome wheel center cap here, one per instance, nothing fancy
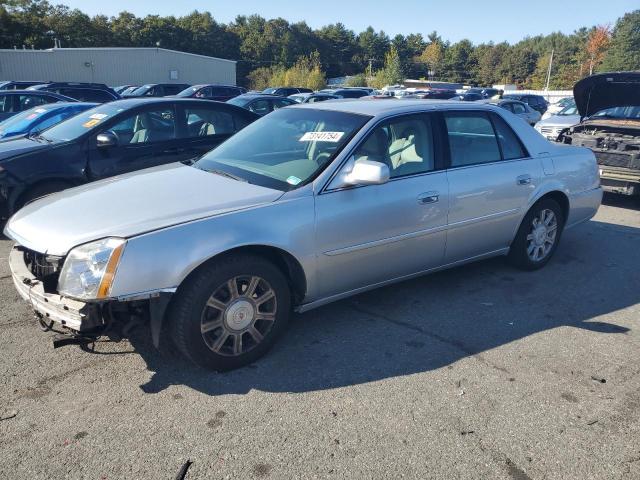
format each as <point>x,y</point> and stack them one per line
<point>239,315</point>
<point>539,235</point>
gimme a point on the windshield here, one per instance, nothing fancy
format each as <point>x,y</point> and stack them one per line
<point>569,110</point>
<point>240,101</point>
<point>141,90</point>
<point>631,112</point>
<point>269,90</point>
<point>23,120</point>
<point>284,149</point>
<point>187,92</point>
<point>76,126</point>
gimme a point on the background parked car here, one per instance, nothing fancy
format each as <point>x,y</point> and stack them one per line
<point>285,91</point>
<point>485,92</point>
<point>348,92</point>
<point>559,105</point>
<point>37,119</point>
<point>312,97</point>
<point>121,88</point>
<point>156,90</point>
<point>111,139</point>
<point>433,94</point>
<point>18,84</point>
<point>83,92</point>
<point>468,97</point>
<point>537,102</point>
<point>521,109</point>
<point>128,90</point>
<point>552,126</point>
<point>261,104</point>
<point>221,93</point>
<point>15,101</point>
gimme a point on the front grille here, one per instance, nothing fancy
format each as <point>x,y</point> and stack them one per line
<point>43,267</point>
<point>548,130</point>
<point>614,159</point>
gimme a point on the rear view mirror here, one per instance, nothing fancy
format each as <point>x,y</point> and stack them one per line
<point>368,172</point>
<point>106,139</point>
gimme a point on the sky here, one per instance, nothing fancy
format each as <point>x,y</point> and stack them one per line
<point>479,21</point>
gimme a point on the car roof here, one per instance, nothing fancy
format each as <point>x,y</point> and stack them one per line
<point>382,108</point>
<point>131,102</point>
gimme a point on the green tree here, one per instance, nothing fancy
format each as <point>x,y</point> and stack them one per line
<point>624,50</point>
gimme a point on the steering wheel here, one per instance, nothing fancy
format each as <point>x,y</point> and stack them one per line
<point>322,158</point>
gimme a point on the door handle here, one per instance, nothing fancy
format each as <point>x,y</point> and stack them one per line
<point>524,179</point>
<point>428,197</point>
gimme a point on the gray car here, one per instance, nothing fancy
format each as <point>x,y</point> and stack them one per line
<point>551,127</point>
<point>518,108</point>
<point>309,205</point>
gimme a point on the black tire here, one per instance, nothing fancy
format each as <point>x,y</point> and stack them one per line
<point>38,191</point>
<point>519,252</point>
<point>189,307</point>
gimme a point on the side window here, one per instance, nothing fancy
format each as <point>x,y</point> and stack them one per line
<point>26,102</point>
<point>155,125</point>
<point>278,103</point>
<point>471,138</point>
<point>404,144</point>
<point>171,90</point>
<point>90,95</point>
<point>261,107</point>
<point>508,106</point>
<point>511,146</point>
<point>519,108</point>
<point>206,92</point>
<point>203,122</point>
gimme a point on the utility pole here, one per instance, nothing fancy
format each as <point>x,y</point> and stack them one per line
<point>549,71</point>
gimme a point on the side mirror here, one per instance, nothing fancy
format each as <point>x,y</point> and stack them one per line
<point>367,172</point>
<point>106,139</point>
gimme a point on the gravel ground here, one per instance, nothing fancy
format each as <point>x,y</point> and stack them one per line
<point>478,372</point>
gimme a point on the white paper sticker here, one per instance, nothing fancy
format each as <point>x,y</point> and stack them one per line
<point>293,180</point>
<point>333,137</point>
<point>98,116</point>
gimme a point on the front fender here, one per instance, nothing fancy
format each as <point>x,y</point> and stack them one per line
<point>162,259</point>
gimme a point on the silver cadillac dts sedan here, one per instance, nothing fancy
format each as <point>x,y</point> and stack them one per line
<point>311,204</point>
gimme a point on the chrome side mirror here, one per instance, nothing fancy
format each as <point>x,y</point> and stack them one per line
<point>106,139</point>
<point>367,172</point>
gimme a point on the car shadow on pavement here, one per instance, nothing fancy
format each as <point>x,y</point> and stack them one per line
<point>431,322</point>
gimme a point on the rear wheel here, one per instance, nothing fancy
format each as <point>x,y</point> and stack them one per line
<point>538,236</point>
<point>230,312</point>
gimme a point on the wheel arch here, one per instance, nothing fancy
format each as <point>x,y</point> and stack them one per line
<point>556,194</point>
<point>288,264</point>
<point>19,198</point>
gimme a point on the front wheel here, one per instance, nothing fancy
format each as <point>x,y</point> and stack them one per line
<point>538,236</point>
<point>230,312</point>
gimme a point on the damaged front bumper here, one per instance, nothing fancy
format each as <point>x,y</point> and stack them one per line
<point>72,314</point>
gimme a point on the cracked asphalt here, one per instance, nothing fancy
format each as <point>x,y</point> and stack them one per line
<point>478,372</point>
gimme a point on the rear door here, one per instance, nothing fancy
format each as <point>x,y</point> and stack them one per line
<point>491,178</point>
<point>146,138</point>
<point>203,127</point>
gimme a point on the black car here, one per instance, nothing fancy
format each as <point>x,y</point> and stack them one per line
<point>468,97</point>
<point>484,92</point>
<point>157,90</point>
<point>537,102</point>
<point>83,92</point>
<point>15,101</point>
<point>18,84</point>
<point>111,139</point>
<point>221,93</point>
<point>260,103</point>
<point>350,92</point>
<point>285,91</point>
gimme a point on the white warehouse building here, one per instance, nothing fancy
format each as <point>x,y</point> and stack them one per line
<point>115,66</point>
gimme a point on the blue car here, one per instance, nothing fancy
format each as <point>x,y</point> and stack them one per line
<point>40,118</point>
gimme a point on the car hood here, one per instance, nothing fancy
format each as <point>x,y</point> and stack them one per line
<point>606,90</point>
<point>130,205</point>
<point>560,121</point>
<point>14,147</point>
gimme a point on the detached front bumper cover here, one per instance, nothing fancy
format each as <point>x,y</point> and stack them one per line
<point>75,315</point>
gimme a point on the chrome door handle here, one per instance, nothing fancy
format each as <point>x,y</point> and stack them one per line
<point>428,197</point>
<point>524,179</point>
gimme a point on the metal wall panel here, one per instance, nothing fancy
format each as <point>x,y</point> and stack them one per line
<point>115,66</point>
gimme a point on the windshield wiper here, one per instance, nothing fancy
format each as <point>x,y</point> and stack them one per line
<point>38,137</point>
<point>228,175</point>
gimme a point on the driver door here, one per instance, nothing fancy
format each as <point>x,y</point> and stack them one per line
<point>146,138</point>
<point>370,234</point>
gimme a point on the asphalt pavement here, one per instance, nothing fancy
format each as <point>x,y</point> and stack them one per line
<point>478,372</point>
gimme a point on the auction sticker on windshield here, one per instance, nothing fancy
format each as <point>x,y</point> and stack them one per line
<point>333,137</point>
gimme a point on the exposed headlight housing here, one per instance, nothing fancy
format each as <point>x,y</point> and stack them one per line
<point>88,271</point>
